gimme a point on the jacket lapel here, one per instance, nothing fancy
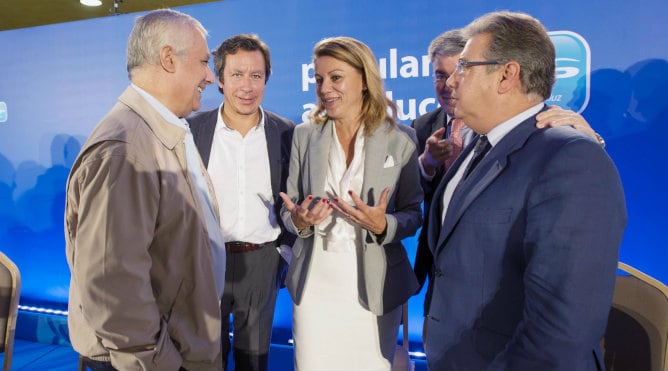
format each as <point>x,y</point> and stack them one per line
<point>487,170</point>
<point>375,155</point>
<point>436,209</point>
<point>170,135</point>
<point>203,127</point>
<point>441,121</point>
<point>321,142</point>
<point>468,190</point>
<point>272,137</point>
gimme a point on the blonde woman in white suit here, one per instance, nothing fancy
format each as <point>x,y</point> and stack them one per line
<point>353,194</point>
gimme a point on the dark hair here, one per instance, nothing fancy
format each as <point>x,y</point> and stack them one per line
<point>521,38</point>
<point>247,42</point>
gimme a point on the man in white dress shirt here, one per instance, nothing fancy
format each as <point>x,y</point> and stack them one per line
<point>246,150</point>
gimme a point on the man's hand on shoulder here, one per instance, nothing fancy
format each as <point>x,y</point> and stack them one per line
<point>557,116</point>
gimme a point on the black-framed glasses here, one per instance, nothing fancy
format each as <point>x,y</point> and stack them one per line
<point>462,64</point>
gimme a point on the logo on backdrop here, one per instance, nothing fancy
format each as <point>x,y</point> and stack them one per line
<point>571,90</point>
<point>3,112</point>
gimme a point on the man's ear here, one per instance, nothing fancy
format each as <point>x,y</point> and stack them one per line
<point>510,77</point>
<point>167,56</point>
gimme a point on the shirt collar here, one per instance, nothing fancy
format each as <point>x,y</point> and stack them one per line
<point>495,135</point>
<point>220,123</point>
<point>168,115</point>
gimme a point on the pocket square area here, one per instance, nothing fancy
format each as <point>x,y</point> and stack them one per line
<point>389,161</point>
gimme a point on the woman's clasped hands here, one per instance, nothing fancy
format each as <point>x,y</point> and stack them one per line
<point>314,210</point>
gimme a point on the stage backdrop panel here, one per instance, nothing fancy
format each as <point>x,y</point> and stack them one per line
<point>57,81</point>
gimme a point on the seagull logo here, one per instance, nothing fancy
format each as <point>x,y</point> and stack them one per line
<point>573,62</point>
<point>3,112</point>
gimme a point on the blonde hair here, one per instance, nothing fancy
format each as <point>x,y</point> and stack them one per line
<point>375,104</point>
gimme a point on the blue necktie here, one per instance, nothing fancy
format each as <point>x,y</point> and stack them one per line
<point>481,148</point>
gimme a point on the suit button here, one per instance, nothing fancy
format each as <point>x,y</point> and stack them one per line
<point>438,273</point>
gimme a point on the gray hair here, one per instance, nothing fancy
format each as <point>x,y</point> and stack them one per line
<point>521,38</point>
<point>156,29</point>
<point>447,44</point>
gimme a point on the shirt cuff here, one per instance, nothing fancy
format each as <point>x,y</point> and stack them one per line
<point>424,174</point>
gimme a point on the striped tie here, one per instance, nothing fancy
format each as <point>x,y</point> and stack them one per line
<point>456,126</point>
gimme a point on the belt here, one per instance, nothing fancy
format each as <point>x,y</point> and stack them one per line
<point>240,246</point>
<point>86,363</point>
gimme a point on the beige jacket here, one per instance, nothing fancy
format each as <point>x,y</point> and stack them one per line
<point>142,290</point>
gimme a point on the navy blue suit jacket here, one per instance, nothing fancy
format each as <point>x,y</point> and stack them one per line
<point>525,260</point>
<point>425,126</point>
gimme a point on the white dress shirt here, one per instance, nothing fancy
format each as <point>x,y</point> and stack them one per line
<point>494,136</point>
<point>338,233</point>
<point>239,170</point>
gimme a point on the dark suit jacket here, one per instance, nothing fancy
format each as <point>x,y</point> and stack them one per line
<point>526,258</point>
<point>424,126</point>
<point>278,131</point>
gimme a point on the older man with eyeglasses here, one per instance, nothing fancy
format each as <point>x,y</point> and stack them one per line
<point>526,224</point>
<point>441,137</point>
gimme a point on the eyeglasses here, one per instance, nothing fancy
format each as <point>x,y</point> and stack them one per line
<point>462,64</point>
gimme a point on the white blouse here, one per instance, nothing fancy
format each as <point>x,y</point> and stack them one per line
<point>337,232</point>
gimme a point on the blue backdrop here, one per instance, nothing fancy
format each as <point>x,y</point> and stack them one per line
<point>57,81</point>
